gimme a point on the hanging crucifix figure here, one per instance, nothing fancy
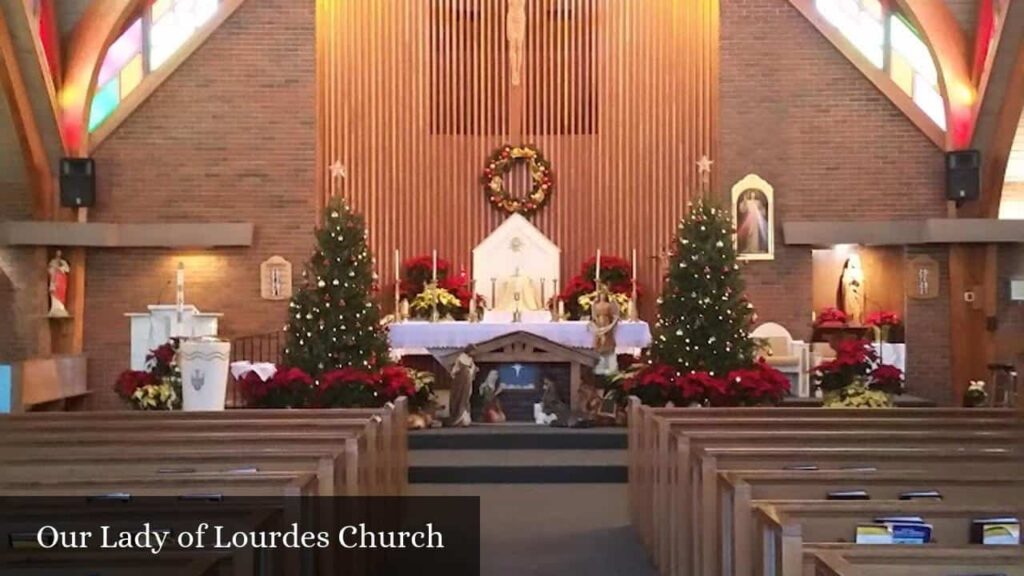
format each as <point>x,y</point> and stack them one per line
<point>515,32</point>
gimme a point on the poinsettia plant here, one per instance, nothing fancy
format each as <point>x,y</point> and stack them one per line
<point>659,384</point>
<point>159,386</point>
<point>883,318</point>
<point>348,388</point>
<point>758,385</point>
<point>580,290</point>
<point>831,316</point>
<point>856,362</point>
<point>287,388</point>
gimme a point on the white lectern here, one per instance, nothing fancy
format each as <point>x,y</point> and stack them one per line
<point>161,323</point>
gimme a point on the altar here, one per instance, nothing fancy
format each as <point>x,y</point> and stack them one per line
<point>417,338</point>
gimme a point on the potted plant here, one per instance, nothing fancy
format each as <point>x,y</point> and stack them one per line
<point>885,322</point>
<point>855,371</point>
<point>289,387</point>
<point>159,386</point>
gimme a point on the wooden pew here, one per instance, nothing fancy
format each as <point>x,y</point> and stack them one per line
<point>787,526</point>
<point>123,564</point>
<point>351,437</point>
<point>914,561</point>
<point>739,490</point>
<point>650,513</point>
<point>391,453</point>
<point>395,415</point>
<point>695,483</point>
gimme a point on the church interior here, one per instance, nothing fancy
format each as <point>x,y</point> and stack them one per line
<point>674,287</point>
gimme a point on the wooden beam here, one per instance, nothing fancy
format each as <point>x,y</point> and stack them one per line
<point>975,269</point>
<point>100,25</point>
<point>32,147</point>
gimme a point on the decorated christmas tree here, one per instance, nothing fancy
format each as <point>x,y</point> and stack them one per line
<point>703,315</point>
<point>333,320</point>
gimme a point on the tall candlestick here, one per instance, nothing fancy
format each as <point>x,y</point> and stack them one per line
<point>543,286</point>
<point>634,266</point>
<point>434,267</point>
<point>597,273</point>
<point>179,288</point>
<point>398,284</point>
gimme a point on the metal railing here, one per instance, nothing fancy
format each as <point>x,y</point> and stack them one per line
<point>267,347</point>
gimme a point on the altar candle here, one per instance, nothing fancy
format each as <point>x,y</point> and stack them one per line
<point>597,272</point>
<point>398,274</point>
<point>434,265</point>
<point>179,289</point>
<point>634,267</point>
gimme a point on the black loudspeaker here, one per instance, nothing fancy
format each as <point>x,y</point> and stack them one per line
<point>77,182</point>
<point>963,175</point>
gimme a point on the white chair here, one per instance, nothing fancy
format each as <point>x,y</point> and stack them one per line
<point>785,354</point>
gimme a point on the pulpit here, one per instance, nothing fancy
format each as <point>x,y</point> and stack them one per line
<point>163,322</point>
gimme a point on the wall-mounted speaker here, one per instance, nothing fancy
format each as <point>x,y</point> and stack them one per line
<point>963,175</point>
<point>77,182</point>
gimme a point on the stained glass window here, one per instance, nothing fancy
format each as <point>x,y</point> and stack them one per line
<point>144,46</point>
<point>890,43</point>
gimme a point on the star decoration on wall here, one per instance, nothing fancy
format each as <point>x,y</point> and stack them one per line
<point>338,170</point>
<point>704,164</point>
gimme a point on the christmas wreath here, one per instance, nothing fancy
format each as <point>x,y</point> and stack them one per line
<point>501,162</point>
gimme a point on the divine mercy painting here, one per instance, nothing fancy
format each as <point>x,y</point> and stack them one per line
<point>753,213</point>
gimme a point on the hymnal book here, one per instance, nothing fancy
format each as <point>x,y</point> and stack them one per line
<point>858,469</point>
<point>894,533</point>
<point>996,531</point>
<point>801,468</point>
<point>921,495</point>
<point>849,495</point>
<point>899,519</point>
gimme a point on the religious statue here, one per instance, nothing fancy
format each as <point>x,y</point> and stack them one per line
<point>492,412</point>
<point>58,270</point>
<point>463,373</point>
<point>604,317</point>
<point>515,31</point>
<point>752,224</point>
<point>850,297</point>
<point>553,407</point>
<point>517,293</point>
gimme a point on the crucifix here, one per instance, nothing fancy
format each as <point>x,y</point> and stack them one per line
<point>515,35</point>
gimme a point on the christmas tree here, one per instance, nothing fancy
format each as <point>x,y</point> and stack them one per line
<point>703,315</point>
<point>333,321</point>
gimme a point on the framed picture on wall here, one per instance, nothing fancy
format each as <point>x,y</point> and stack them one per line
<point>753,213</point>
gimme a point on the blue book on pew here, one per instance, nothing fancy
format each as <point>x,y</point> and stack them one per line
<point>849,495</point>
<point>921,495</point>
<point>1001,531</point>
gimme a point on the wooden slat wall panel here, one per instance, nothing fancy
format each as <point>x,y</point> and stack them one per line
<point>621,95</point>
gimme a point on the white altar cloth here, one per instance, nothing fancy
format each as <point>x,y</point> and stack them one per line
<point>410,338</point>
<point>892,354</point>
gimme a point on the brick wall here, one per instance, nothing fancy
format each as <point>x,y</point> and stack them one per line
<point>797,112</point>
<point>230,137</point>
<point>23,295</point>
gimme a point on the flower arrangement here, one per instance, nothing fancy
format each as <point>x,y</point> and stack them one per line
<point>580,291</point>
<point>455,289</point>
<point>587,300</point>
<point>975,395</point>
<point>885,321</point>
<point>758,385</point>
<point>159,386</point>
<point>856,367</point>
<point>661,384</point>
<point>857,395</point>
<point>423,304</point>
<point>287,388</point>
<point>831,316</point>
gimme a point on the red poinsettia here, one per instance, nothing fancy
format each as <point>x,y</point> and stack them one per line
<point>659,384</point>
<point>887,378</point>
<point>349,388</point>
<point>289,387</point>
<point>395,381</point>
<point>131,380</point>
<point>883,318</point>
<point>757,386</point>
<point>831,316</point>
<point>615,274</point>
